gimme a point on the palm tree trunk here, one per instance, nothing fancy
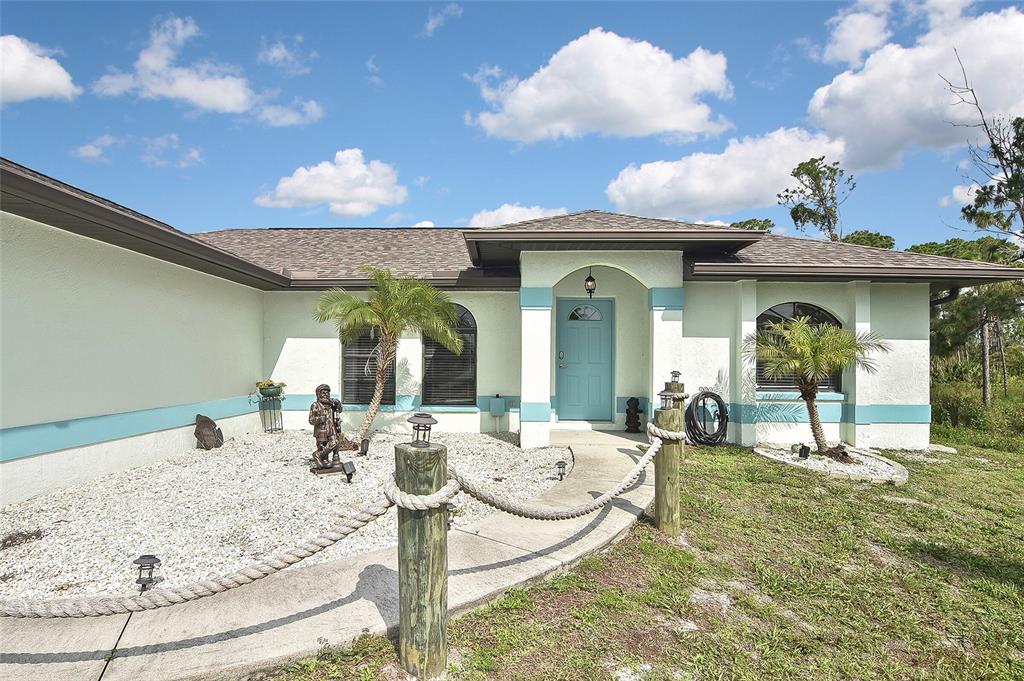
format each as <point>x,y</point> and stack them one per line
<point>816,429</point>
<point>387,353</point>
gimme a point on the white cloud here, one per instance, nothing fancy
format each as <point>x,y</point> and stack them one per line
<point>287,56</point>
<point>163,151</point>
<point>748,174</point>
<point>421,180</point>
<point>853,34</point>
<point>29,71</point>
<point>347,184</point>
<point>205,85</point>
<point>424,223</point>
<point>605,83</point>
<point>437,18</point>
<point>508,213</point>
<point>299,113</point>
<point>373,72</point>
<point>961,195</point>
<point>897,100</point>
<point>95,150</point>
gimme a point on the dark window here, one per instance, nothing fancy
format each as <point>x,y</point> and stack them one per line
<point>359,372</point>
<point>449,378</point>
<point>781,313</point>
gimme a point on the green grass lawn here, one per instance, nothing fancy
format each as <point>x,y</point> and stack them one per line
<point>780,574</point>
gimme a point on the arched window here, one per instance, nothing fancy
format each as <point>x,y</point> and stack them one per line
<point>780,313</point>
<point>449,378</point>
<point>585,313</point>
<point>359,372</point>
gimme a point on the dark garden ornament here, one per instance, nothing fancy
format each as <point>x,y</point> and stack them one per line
<point>208,435</point>
<point>633,415</point>
<point>590,284</point>
<point>325,417</point>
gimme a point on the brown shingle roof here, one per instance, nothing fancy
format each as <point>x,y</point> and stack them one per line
<point>337,252</point>
<point>599,220</point>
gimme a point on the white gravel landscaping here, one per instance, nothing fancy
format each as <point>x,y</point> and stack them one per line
<point>867,466</point>
<point>206,513</point>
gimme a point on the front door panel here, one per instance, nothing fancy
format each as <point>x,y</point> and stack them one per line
<point>583,359</point>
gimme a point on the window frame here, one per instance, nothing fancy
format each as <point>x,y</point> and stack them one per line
<point>346,381</point>
<point>832,384</point>
<point>430,345</point>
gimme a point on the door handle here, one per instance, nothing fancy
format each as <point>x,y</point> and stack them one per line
<point>561,366</point>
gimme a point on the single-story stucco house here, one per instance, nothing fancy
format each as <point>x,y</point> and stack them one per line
<point>118,329</point>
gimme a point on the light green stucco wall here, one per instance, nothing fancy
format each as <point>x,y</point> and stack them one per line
<point>87,329</point>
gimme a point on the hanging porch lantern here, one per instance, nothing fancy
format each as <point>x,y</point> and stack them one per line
<point>590,284</point>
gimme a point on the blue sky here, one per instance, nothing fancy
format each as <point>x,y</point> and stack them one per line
<point>216,115</point>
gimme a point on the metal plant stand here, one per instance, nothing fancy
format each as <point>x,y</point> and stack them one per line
<point>270,413</point>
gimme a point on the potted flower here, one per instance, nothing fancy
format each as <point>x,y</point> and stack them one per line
<point>270,388</point>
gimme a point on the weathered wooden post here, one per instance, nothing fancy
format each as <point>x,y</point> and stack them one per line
<point>666,463</point>
<point>422,468</point>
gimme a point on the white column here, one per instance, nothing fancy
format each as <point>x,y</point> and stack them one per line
<point>535,390</point>
<point>857,381</point>
<point>666,333</point>
<point>743,379</point>
<point>408,372</point>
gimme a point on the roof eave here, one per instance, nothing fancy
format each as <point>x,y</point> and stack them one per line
<point>942,275</point>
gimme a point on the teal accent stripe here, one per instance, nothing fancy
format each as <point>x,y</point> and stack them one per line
<point>620,404</point>
<point>666,298</point>
<point>536,297</point>
<point>831,412</point>
<point>40,438</point>
<point>539,412</point>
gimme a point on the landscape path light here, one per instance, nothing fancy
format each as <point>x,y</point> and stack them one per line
<point>421,424</point>
<point>349,469</point>
<point>147,564</point>
<point>561,469</point>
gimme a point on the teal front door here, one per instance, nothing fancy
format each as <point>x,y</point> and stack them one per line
<point>583,374</point>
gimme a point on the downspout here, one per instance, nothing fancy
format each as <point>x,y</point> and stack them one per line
<point>953,294</point>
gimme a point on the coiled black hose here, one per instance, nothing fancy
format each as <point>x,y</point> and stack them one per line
<point>696,429</point>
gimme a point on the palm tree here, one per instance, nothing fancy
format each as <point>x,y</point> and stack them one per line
<point>392,307</point>
<point>811,353</point>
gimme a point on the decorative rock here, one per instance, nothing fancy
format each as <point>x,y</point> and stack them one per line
<point>867,466</point>
<point>208,435</point>
<point>205,515</point>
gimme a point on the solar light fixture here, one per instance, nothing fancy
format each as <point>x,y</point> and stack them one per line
<point>364,447</point>
<point>146,563</point>
<point>590,284</point>
<point>561,470</point>
<point>421,424</point>
<point>449,509</point>
<point>805,451</point>
<point>349,469</point>
<point>675,376</point>
<point>667,401</point>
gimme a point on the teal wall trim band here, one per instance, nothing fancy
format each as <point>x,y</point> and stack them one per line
<point>536,412</point>
<point>831,412</point>
<point>40,438</point>
<point>536,297</point>
<point>620,404</point>
<point>666,298</point>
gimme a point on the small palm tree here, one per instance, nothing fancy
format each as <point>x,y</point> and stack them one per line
<point>811,353</point>
<point>393,307</point>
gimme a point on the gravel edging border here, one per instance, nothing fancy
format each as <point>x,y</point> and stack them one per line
<point>898,478</point>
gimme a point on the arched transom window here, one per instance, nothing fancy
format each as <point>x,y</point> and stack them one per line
<point>585,313</point>
<point>449,378</point>
<point>781,313</point>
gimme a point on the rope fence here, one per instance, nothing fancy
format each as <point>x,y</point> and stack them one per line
<point>346,525</point>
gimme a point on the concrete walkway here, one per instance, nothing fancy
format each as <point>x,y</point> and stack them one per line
<point>279,619</point>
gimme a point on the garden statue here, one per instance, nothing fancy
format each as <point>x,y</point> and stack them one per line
<point>208,435</point>
<point>632,415</point>
<point>325,417</point>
